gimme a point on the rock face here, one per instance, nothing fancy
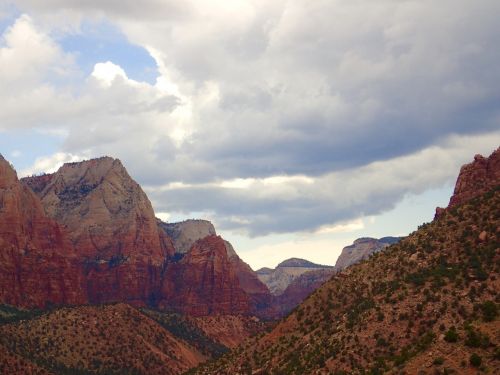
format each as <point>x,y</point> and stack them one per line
<point>186,233</point>
<point>475,179</point>
<point>257,291</point>
<point>279,279</point>
<point>361,249</point>
<point>204,282</point>
<point>112,227</point>
<point>300,288</point>
<point>127,255</point>
<point>38,265</point>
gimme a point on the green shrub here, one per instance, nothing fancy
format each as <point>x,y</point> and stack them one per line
<point>490,311</point>
<point>438,361</point>
<point>476,339</point>
<point>475,360</point>
<point>451,335</point>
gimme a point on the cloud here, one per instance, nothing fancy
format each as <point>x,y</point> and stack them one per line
<point>274,116</point>
<point>50,164</point>
<point>313,204</point>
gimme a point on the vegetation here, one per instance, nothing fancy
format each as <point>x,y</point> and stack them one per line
<point>107,339</point>
<point>387,312</point>
<point>182,328</point>
<point>11,314</point>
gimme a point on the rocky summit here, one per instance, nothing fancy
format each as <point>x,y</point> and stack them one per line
<point>112,226</point>
<point>474,179</point>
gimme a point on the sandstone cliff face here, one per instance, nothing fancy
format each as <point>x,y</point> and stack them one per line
<point>37,262</point>
<point>185,233</point>
<point>278,279</point>
<point>127,255</point>
<point>361,249</point>
<point>112,227</point>
<point>204,282</point>
<point>476,178</point>
<point>258,292</point>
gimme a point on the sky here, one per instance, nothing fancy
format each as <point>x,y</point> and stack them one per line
<point>295,126</point>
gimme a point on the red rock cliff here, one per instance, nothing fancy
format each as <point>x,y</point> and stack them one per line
<point>38,265</point>
<point>112,227</point>
<point>205,282</point>
<point>477,178</point>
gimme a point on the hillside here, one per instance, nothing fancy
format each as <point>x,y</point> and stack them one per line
<point>428,304</point>
<point>301,278</point>
<point>111,339</point>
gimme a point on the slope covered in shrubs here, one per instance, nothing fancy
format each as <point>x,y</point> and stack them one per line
<point>428,304</point>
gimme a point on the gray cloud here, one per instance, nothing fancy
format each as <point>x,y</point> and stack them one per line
<point>305,204</point>
<point>318,89</point>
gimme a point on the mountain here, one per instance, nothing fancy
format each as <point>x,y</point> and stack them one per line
<point>294,279</point>
<point>128,255</point>
<point>361,249</point>
<point>38,265</point>
<point>112,226</point>
<point>224,264</point>
<point>205,282</point>
<point>300,288</point>
<point>212,279</point>
<point>278,279</point>
<point>114,339</point>
<point>426,304</point>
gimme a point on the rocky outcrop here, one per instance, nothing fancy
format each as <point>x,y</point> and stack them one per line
<point>204,282</point>
<point>361,249</point>
<point>185,233</point>
<point>112,226</point>
<point>475,179</point>
<point>278,279</point>
<point>38,266</point>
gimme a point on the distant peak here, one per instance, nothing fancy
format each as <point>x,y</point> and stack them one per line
<point>299,262</point>
<point>364,239</point>
<point>264,271</point>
